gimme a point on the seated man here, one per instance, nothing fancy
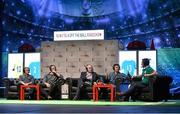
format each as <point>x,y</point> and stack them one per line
<point>87,79</point>
<point>27,79</point>
<point>116,77</point>
<point>147,71</point>
<point>51,81</point>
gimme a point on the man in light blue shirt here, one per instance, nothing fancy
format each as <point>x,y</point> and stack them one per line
<point>116,77</point>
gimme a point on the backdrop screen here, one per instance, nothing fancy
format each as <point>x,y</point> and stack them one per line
<point>169,64</point>
<point>128,62</point>
<point>15,65</point>
<point>32,60</point>
<point>147,54</point>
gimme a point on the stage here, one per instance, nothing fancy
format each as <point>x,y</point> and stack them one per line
<point>68,106</point>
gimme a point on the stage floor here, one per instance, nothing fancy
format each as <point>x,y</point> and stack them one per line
<point>68,106</point>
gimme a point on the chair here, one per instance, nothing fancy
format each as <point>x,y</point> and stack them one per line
<point>56,95</point>
<point>12,89</point>
<point>157,90</point>
<point>73,86</point>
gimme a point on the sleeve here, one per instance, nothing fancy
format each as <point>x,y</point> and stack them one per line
<point>82,79</point>
<point>97,77</point>
<point>80,82</point>
<point>123,75</point>
<point>110,77</point>
<point>32,79</point>
<point>61,76</point>
<point>150,70</point>
<point>45,79</point>
<point>20,79</point>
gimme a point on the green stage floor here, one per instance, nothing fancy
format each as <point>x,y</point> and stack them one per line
<point>99,103</point>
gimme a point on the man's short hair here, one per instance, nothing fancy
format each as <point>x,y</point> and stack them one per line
<point>145,62</point>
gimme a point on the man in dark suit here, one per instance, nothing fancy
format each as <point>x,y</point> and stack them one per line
<point>87,79</point>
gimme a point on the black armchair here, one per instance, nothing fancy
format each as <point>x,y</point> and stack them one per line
<point>157,90</point>
<point>11,91</point>
<point>12,88</point>
<point>73,86</point>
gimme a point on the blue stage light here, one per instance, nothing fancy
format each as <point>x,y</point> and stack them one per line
<point>18,12</point>
<point>12,4</point>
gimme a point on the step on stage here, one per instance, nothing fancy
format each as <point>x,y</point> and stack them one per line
<point>68,106</point>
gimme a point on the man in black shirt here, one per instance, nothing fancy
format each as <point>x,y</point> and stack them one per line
<point>51,81</point>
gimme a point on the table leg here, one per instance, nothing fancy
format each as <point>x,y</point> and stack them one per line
<point>97,94</point>
<point>112,93</point>
<point>38,92</point>
<point>94,94</point>
<point>20,92</point>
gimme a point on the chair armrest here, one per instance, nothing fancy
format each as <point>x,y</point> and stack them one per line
<point>6,82</point>
<point>16,81</point>
<point>168,79</point>
<point>152,83</point>
<point>38,81</point>
<point>72,82</point>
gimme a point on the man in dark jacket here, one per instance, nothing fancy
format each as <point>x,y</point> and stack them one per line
<point>87,79</point>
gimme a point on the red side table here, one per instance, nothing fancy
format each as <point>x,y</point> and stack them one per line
<point>110,86</point>
<point>23,87</point>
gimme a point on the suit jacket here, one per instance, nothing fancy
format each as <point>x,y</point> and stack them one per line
<point>84,79</point>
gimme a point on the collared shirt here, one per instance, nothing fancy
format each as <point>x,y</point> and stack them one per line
<point>113,77</point>
<point>26,79</point>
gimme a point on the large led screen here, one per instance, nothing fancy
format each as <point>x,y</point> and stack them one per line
<point>128,62</point>
<point>147,54</point>
<point>15,65</point>
<point>169,65</point>
<point>32,60</point>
